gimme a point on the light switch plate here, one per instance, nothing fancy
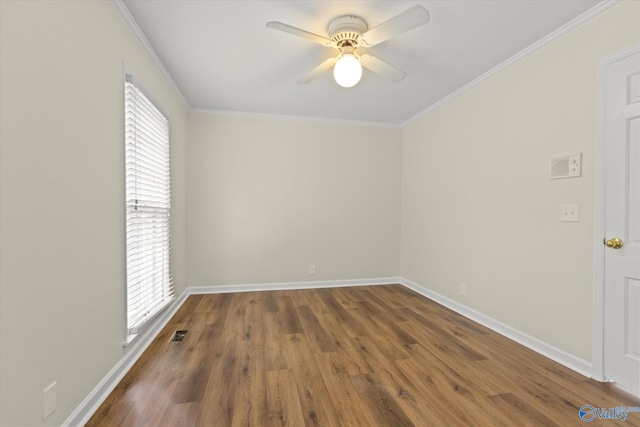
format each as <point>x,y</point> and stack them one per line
<point>570,212</point>
<point>575,164</point>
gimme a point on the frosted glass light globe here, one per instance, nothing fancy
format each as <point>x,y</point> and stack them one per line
<point>347,70</point>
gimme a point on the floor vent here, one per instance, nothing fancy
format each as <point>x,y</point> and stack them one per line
<point>178,336</point>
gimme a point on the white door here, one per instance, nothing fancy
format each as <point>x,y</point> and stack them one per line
<point>622,221</point>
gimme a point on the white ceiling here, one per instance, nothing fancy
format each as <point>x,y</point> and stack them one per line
<point>222,57</point>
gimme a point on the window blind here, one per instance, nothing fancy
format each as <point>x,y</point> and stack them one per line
<point>148,206</point>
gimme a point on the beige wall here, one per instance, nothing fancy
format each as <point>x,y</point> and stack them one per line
<point>466,187</point>
<point>478,206</point>
<point>61,189</point>
<point>267,198</point>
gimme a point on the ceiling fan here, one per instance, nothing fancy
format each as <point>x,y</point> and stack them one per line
<point>347,33</point>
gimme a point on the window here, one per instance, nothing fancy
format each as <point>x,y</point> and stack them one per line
<point>148,206</point>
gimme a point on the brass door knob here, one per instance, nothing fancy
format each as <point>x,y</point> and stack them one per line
<point>614,243</point>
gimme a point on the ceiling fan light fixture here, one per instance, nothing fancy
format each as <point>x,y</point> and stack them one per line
<point>348,70</point>
<point>347,33</point>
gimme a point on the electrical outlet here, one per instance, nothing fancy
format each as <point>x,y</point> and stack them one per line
<point>463,289</point>
<point>50,399</point>
<point>312,269</point>
<point>570,212</point>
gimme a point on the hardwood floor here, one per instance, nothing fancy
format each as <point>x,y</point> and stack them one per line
<point>362,356</point>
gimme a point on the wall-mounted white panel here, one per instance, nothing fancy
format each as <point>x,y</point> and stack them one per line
<point>566,166</point>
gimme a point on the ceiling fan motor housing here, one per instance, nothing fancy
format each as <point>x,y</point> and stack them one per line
<point>346,30</point>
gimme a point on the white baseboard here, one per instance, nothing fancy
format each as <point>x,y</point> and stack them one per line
<point>92,402</point>
<point>569,360</point>
<point>293,285</point>
<point>98,395</point>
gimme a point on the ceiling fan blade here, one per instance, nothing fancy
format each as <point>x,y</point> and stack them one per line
<point>405,21</point>
<point>381,68</point>
<point>326,64</point>
<point>300,33</point>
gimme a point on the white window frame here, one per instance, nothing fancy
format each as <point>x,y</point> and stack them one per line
<point>149,286</point>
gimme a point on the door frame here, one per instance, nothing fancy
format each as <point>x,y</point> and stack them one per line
<point>600,220</point>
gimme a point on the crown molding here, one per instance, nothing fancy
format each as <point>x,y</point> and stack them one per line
<point>244,115</point>
<point>133,25</point>
<point>575,23</point>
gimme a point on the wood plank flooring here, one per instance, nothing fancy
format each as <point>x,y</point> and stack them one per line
<point>361,356</point>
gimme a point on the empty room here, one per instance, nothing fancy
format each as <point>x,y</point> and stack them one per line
<point>319,213</point>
